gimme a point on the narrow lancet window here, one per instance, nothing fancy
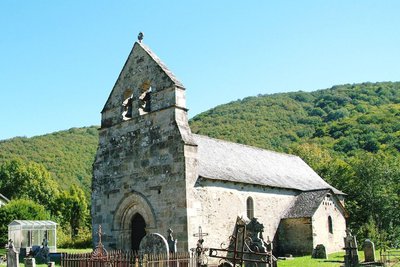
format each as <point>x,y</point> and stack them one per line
<point>330,225</point>
<point>250,208</point>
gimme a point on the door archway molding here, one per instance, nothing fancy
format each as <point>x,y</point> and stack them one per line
<point>134,203</point>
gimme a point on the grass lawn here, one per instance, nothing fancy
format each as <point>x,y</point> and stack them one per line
<point>334,260</point>
<point>74,250</point>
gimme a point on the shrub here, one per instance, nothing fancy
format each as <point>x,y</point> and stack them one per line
<point>82,240</point>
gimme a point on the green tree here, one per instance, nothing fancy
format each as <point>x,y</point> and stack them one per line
<point>373,196</point>
<point>29,180</point>
<point>73,211</point>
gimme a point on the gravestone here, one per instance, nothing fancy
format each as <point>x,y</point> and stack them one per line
<point>350,246</point>
<point>200,250</point>
<point>154,244</point>
<point>171,242</point>
<point>319,252</point>
<point>256,244</point>
<point>12,255</point>
<point>255,229</point>
<point>369,250</point>
<point>43,255</point>
<point>246,247</point>
<point>30,262</point>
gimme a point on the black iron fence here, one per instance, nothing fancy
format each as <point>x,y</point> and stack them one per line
<point>118,258</point>
<point>390,258</point>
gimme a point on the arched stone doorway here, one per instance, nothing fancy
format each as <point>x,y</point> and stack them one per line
<point>133,218</point>
<point>138,231</point>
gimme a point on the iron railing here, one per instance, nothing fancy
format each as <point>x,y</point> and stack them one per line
<point>390,258</point>
<point>119,258</point>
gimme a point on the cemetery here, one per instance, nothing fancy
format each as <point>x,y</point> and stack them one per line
<point>246,247</point>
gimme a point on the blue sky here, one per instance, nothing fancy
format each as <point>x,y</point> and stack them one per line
<point>60,59</point>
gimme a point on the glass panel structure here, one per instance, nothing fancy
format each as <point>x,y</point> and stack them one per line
<point>26,234</point>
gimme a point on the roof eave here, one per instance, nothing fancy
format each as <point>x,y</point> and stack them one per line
<point>244,183</point>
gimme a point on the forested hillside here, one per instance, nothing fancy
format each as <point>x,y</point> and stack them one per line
<point>350,134</point>
<point>48,177</point>
<point>67,155</point>
<point>344,119</point>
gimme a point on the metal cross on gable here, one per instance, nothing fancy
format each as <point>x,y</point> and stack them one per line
<point>140,37</point>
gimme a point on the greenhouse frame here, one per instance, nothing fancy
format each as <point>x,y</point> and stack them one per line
<point>27,234</point>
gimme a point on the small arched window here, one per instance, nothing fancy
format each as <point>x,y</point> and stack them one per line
<point>330,225</point>
<point>250,208</point>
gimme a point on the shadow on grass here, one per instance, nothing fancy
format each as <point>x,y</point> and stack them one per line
<point>333,261</point>
<point>334,258</point>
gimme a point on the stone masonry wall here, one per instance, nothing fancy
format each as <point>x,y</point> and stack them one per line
<point>215,206</point>
<point>143,157</point>
<point>140,165</point>
<point>295,237</point>
<point>333,242</point>
<point>141,71</point>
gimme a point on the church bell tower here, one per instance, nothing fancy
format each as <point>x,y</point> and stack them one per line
<point>139,174</point>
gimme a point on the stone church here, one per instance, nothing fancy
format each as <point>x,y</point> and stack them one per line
<point>151,174</point>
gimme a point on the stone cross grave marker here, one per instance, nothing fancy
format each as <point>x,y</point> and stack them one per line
<point>200,234</point>
<point>369,250</point>
<point>154,244</point>
<point>171,242</point>
<point>350,246</point>
<point>99,251</point>
<point>200,250</point>
<point>12,255</point>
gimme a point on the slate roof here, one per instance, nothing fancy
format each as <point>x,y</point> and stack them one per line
<point>227,161</point>
<point>306,204</point>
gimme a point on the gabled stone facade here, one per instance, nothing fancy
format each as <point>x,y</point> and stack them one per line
<point>151,173</point>
<point>140,164</point>
<point>316,217</point>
